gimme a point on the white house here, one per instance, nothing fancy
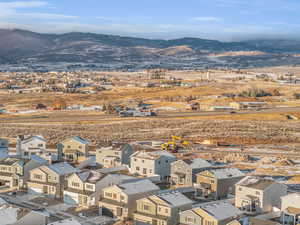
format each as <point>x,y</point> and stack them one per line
<point>152,163</point>
<point>290,208</point>
<point>30,145</point>
<point>255,194</point>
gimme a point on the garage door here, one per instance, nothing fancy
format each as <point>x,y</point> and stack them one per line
<point>35,191</point>
<point>70,198</point>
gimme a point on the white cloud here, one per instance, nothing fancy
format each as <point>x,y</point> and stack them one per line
<point>207,19</point>
<point>11,10</point>
<point>23,4</point>
<point>46,15</point>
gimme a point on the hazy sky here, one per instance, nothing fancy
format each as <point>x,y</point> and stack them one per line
<point>216,19</point>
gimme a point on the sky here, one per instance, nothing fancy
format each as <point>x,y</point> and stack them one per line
<point>226,20</point>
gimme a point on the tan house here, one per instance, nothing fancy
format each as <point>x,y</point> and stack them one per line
<point>218,183</point>
<point>114,156</point>
<point>150,164</point>
<point>258,195</point>
<point>290,208</point>
<point>120,200</point>
<point>14,172</point>
<point>183,172</point>
<point>212,213</point>
<point>49,180</point>
<point>83,188</point>
<point>248,105</point>
<point>74,149</point>
<point>161,208</point>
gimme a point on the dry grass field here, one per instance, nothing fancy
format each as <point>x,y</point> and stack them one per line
<point>248,129</point>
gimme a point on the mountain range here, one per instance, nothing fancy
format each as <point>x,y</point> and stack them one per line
<point>25,47</point>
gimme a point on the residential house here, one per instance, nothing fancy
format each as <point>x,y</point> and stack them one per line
<point>30,145</point>
<point>183,171</point>
<point>211,213</point>
<point>49,180</point>
<point>218,183</point>
<point>248,105</point>
<point>290,208</point>
<point>152,163</point>
<point>14,172</point>
<point>116,155</point>
<point>258,195</point>
<point>120,200</point>
<point>83,188</point>
<point>161,208</point>
<point>74,149</point>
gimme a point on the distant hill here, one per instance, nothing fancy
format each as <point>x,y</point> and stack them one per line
<point>21,46</point>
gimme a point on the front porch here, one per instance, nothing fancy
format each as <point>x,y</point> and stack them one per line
<point>250,204</point>
<point>291,216</point>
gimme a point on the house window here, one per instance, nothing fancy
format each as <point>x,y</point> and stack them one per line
<point>158,162</point>
<point>144,171</point>
<point>137,168</point>
<point>257,193</point>
<point>37,176</point>
<point>166,211</point>
<point>240,189</point>
<point>143,161</point>
<point>107,194</point>
<point>146,207</point>
<point>190,220</point>
<point>122,198</point>
<point>74,184</point>
<point>114,196</point>
<point>80,147</point>
<point>40,145</point>
<point>89,186</point>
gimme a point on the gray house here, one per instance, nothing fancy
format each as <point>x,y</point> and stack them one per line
<point>150,164</point>
<point>255,194</point>
<point>217,213</point>
<point>116,155</point>
<point>183,171</point>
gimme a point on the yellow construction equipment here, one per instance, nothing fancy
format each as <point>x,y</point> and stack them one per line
<point>175,144</point>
